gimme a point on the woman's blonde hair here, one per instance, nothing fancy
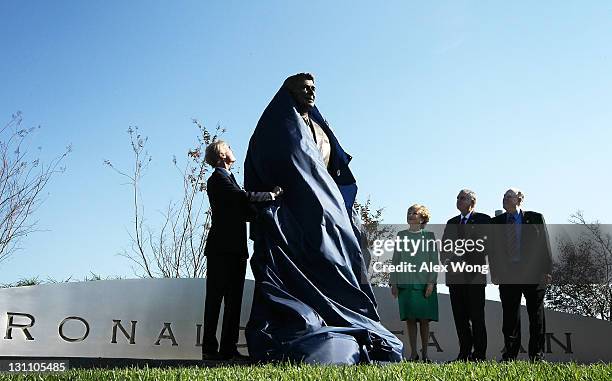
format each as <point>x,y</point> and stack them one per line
<point>422,211</point>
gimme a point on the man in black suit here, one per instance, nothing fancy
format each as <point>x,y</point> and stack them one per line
<point>521,263</point>
<point>467,289</point>
<point>226,251</point>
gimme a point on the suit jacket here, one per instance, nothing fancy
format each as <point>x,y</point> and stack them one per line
<point>474,229</point>
<point>535,254</point>
<point>230,209</point>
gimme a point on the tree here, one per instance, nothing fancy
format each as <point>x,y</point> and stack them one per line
<point>23,178</point>
<point>583,273</point>
<point>373,229</point>
<point>176,249</point>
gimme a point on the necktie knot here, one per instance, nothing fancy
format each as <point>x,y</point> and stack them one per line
<point>463,220</point>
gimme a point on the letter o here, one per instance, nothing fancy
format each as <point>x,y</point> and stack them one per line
<point>66,338</point>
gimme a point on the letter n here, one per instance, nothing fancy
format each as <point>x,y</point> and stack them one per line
<point>130,336</point>
<point>24,327</point>
<point>568,342</point>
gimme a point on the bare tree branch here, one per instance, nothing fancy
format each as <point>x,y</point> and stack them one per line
<point>583,272</point>
<point>22,182</point>
<point>176,248</point>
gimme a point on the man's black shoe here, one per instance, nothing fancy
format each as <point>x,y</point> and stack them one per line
<point>210,356</point>
<point>241,358</point>
<point>507,358</point>
<point>234,356</point>
<point>477,357</point>
<point>537,358</point>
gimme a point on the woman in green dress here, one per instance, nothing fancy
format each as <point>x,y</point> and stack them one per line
<point>415,285</point>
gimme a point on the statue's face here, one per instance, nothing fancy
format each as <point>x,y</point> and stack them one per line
<point>304,93</point>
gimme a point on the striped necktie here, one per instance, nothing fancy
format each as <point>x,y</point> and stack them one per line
<point>461,230</point>
<point>513,249</point>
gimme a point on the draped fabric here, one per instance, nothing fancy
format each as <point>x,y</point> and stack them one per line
<point>312,301</point>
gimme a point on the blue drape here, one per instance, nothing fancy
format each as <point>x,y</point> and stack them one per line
<point>312,302</point>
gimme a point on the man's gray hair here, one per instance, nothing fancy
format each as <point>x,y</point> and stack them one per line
<point>470,193</point>
<point>212,154</point>
<point>519,194</point>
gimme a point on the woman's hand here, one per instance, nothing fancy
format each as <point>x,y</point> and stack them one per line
<point>394,291</point>
<point>429,290</point>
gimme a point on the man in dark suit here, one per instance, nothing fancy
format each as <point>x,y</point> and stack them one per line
<point>467,289</point>
<point>226,251</point>
<point>521,263</point>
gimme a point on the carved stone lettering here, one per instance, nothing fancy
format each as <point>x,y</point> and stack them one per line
<point>433,342</point>
<point>568,342</point>
<point>130,336</point>
<point>198,335</point>
<point>73,340</point>
<point>24,327</point>
<point>169,335</point>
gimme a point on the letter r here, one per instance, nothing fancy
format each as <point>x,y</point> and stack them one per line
<point>24,327</point>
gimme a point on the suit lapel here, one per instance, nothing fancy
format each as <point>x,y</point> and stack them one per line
<point>230,176</point>
<point>524,220</point>
<point>471,219</point>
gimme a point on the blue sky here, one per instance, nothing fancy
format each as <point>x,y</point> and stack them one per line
<point>428,97</point>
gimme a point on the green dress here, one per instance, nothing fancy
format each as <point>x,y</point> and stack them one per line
<point>411,285</point>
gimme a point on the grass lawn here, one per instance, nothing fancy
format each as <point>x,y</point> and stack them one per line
<point>403,371</point>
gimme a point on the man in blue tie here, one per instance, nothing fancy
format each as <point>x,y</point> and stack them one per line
<point>467,289</point>
<point>521,262</point>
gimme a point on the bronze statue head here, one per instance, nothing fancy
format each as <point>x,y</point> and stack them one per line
<point>302,89</point>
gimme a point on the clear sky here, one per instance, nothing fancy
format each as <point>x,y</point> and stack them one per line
<point>428,97</point>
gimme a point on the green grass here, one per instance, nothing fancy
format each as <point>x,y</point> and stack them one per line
<point>403,371</point>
